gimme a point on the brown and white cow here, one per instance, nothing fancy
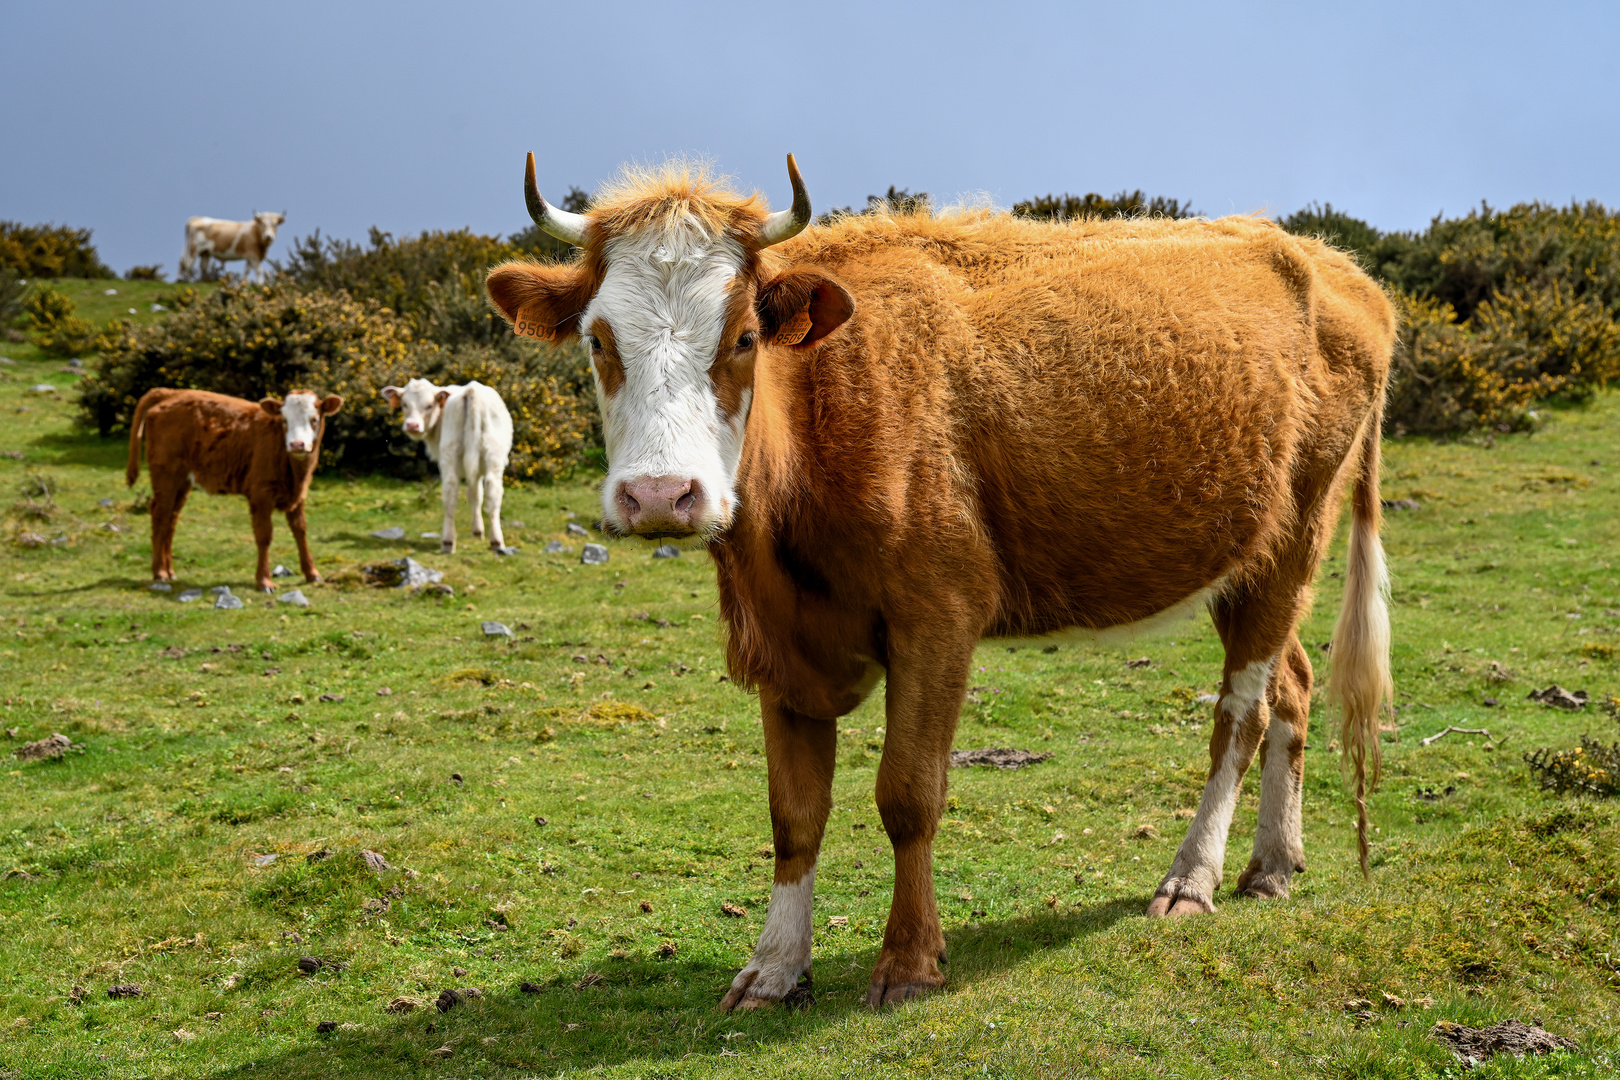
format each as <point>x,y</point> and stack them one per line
<point>266,450</point>
<point>901,434</point>
<point>210,238</point>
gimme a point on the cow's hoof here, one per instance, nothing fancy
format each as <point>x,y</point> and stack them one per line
<point>1178,897</point>
<point>314,579</point>
<point>880,994</point>
<point>755,988</point>
<point>447,547</point>
<point>897,979</point>
<point>271,589</point>
<point>1266,884</point>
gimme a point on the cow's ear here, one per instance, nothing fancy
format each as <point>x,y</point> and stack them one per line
<point>542,302</point>
<point>331,403</point>
<point>800,307</point>
<point>271,405</point>
<point>393,394</point>
<point>441,397</point>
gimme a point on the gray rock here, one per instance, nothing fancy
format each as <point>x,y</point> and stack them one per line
<point>220,590</point>
<point>109,292</point>
<point>430,536</point>
<point>161,586</point>
<point>556,547</point>
<point>190,596</point>
<point>43,388</point>
<point>105,504</point>
<point>414,575</point>
<point>594,554</point>
<point>393,532</point>
<point>666,551</point>
<point>227,602</point>
<point>280,571</point>
<point>265,860</point>
<point>6,360</point>
<point>296,598</point>
<point>75,363</point>
<point>515,525</point>
<point>158,307</point>
<point>508,550</point>
<point>576,529</point>
<point>495,629</point>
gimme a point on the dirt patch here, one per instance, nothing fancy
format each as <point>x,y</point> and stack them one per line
<point>46,749</point>
<point>997,758</point>
<point>1475,1046</point>
<point>1559,698</point>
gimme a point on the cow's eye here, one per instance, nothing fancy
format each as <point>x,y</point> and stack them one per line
<point>596,343</point>
<point>745,342</point>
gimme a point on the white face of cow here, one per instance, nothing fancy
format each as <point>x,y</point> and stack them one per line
<point>303,415</point>
<point>421,405</point>
<point>268,223</point>
<point>654,329</point>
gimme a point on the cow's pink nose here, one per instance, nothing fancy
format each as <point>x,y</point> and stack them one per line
<point>413,426</point>
<point>660,505</point>
<point>298,447</point>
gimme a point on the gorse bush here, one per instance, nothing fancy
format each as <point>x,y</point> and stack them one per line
<point>254,341</point>
<point>1124,204</point>
<point>1591,768</point>
<point>56,329</point>
<point>145,272</point>
<point>396,274</point>
<point>1504,307</point>
<point>50,251</point>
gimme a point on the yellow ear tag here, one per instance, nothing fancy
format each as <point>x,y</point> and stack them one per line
<point>525,325</point>
<point>794,330</point>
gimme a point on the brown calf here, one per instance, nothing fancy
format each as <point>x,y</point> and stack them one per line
<point>266,450</point>
<point>901,434</point>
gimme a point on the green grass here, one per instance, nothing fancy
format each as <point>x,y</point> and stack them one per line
<point>143,851</point>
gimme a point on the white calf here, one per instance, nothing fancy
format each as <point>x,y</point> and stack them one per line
<point>468,431</point>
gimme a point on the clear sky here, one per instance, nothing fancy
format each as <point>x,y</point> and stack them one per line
<point>128,118</point>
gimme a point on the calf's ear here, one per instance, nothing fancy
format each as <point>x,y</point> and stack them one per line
<point>392,393</point>
<point>542,302</point>
<point>271,405</point>
<point>330,404</point>
<point>441,397</point>
<point>800,307</point>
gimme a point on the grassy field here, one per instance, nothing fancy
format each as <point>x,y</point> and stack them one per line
<point>179,847</point>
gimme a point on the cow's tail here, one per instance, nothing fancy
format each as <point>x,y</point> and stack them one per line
<point>1360,681</point>
<point>137,429</point>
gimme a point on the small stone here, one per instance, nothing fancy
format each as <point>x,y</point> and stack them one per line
<point>414,575</point>
<point>190,596</point>
<point>110,527</point>
<point>227,602</point>
<point>556,547</point>
<point>505,551</point>
<point>393,532</point>
<point>161,586</point>
<point>573,529</point>
<point>156,307</point>
<point>430,536</point>
<point>75,363</point>
<point>105,504</point>
<point>109,292</point>
<point>325,1026</point>
<point>281,571</point>
<point>265,860</point>
<point>593,555</point>
<point>459,972</point>
<point>182,1035</point>
<point>43,388</point>
<point>383,691</point>
<point>495,629</point>
<point>296,598</point>
<point>333,697</point>
<point>666,551</point>
<point>539,821</point>
<point>220,590</point>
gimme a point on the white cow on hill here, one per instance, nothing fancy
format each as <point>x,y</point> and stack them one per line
<point>468,431</point>
<point>210,238</point>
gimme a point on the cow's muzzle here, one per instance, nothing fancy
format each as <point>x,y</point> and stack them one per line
<point>660,505</point>
<point>298,449</point>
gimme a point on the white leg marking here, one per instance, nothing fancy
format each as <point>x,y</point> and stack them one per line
<point>1200,863</point>
<point>1279,844</point>
<point>783,952</point>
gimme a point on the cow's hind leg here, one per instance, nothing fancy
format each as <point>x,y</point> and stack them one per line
<point>799,754</point>
<point>263,532</point>
<point>1279,847</point>
<point>1255,624</point>
<point>494,492</point>
<point>448,491</point>
<point>169,492</point>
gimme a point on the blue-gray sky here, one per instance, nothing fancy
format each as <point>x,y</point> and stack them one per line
<point>409,115</point>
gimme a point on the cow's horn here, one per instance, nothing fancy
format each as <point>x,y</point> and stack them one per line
<point>784,224</point>
<point>558,223</point>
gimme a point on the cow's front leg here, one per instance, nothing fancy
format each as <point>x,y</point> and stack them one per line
<point>300,530</point>
<point>263,529</point>
<point>799,753</point>
<point>447,532</point>
<point>927,679</point>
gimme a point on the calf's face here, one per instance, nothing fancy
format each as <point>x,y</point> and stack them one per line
<point>422,406</point>
<point>305,415</point>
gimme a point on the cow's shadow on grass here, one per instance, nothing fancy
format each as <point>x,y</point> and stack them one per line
<point>399,547</point>
<point>648,1011</point>
<point>122,584</point>
<point>78,447</point>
